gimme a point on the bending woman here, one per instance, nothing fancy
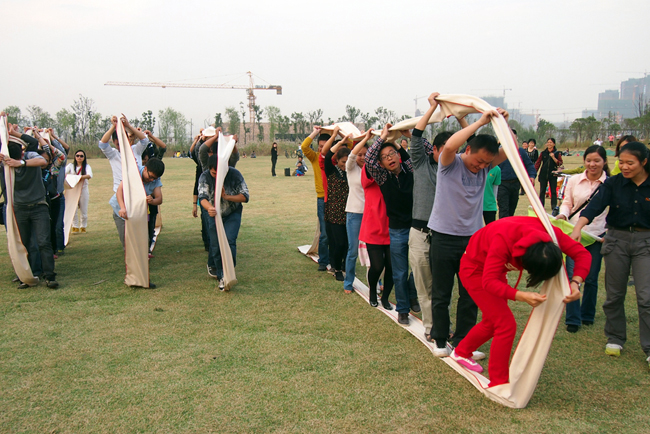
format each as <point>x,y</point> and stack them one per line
<point>626,244</point>
<point>81,167</point>
<point>512,243</point>
<point>579,191</point>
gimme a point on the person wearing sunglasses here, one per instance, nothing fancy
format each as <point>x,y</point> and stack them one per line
<point>81,167</point>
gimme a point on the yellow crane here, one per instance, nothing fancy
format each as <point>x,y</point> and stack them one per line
<point>250,89</point>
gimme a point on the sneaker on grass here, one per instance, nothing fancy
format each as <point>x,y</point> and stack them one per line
<point>443,352</point>
<point>212,272</point>
<point>466,363</point>
<point>613,350</point>
<point>478,355</point>
<point>222,285</point>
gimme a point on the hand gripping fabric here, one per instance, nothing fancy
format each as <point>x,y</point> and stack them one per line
<point>226,145</point>
<point>17,251</point>
<point>345,129</point>
<point>73,185</point>
<point>136,238</point>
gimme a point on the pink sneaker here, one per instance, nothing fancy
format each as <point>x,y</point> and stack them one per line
<point>466,363</point>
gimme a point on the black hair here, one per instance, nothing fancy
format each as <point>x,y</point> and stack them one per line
<point>441,139</point>
<point>600,151</point>
<point>324,137</point>
<point>156,167</point>
<point>15,150</point>
<point>532,140</point>
<point>513,131</point>
<point>114,135</point>
<point>149,151</point>
<point>627,138</point>
<point>83,163</point>
<point>484,141</point>
<point>552,139</point>
<point>387,145</point>
<point>212,161</point>
<point>542,261</point>
<point>342,152</point>
<point>640,152</point>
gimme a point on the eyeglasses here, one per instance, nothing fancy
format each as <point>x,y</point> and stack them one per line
<point>390,155</point>
<point>79,156</point>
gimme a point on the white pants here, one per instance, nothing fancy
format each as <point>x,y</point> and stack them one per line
<point>82,208</point>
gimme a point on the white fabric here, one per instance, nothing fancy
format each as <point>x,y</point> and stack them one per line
<point>226,146</point>
<point>72,193</point>
<point>535,342</point>
<point>345,129</point>
<point>17,251</point>
<point>136,237</point>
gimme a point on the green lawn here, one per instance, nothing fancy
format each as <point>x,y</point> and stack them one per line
<point>285,351</point>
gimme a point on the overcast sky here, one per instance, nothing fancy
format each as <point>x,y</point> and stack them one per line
<point>555,55</point>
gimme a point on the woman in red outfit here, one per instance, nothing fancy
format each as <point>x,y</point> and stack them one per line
<point>513,243</point>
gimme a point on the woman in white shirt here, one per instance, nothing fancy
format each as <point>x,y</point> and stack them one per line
<point>580,189</point>
<point>80,167</point>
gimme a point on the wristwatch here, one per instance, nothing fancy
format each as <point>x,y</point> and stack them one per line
<point>23,162</point>
<point>578,283</point>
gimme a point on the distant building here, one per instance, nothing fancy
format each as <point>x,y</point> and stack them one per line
<point>622,104</point>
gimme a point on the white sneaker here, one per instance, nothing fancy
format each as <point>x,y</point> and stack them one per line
<point>466,363</point>
<point>443,352</point>
<point>477,355</point>
<point>222,285</point>
<point>613,350</point>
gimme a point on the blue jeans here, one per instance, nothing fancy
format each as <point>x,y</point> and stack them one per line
<point>353,226</point>
<point>231,224</point>
<point>323,250</point>
<point>399,257</point>
<point>60,241</point>
<point>585,309</point>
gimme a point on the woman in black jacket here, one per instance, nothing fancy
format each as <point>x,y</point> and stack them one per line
<point>547,163</point>
<point>274,157</point>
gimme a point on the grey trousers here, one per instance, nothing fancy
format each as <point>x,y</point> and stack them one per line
<point>119,224</point>
<point>419,259</point>
<point>622,249</point>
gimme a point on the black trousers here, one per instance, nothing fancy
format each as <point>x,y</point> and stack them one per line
<point>552,183</point>
<point>153,214</point>
<point>337,236</point>
<point>55,207</point>
<point>489,217</point>
<point>508,198</point>
<point>444,257</point>
<point>379,255</point>
<point>273,163</point>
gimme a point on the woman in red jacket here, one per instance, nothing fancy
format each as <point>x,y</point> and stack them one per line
<point>513,243</point>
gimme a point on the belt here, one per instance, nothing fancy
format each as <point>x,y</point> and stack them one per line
<point>423,230</point>
<point>630,229</point>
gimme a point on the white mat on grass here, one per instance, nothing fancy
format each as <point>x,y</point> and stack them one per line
<point>72,192</point>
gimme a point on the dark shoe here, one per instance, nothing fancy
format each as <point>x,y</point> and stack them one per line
<point>339,276</point>
<point>212,272</point>
<point>386,304</point>
<point>374,303</point>
<point>403,318</point>
<point>571,328</point>
<point>587,323</point>
<point>322,267</point>
<point>23,286</point>
<point>152,285</point>
<point>415,305</point>
<point>15,279</point>
<point>52,284</point>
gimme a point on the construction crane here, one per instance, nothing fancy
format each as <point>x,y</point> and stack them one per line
<point>250,89</point>
<point>504,90</point>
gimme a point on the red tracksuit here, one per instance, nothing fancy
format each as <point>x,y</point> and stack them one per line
<point>490,254</point>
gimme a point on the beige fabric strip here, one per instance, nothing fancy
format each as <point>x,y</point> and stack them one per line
<point>72,192</point>
<point>226,146</point>
<point>136,238</point>
<point>17,251</point>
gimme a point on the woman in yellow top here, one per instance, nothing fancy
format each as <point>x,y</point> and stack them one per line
<point>624,140</point>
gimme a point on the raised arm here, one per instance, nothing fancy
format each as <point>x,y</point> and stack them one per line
<point>156,141</point>
<point>329,142</point>
<point>424,120</point>
<point>362,143</point>
<point>460,137</point>
<point>136,132</point>
<point>305,146</point>
<point>107,135</point>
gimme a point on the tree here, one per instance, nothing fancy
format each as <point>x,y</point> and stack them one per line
<point>578,128</point>
<point>273,114</point>
<point>66,124</point>
<point>39,117</point>
<point>233,120</point>
<point>284,124</point>
<point>83,108</point>
<point>352,114</point>
<point>218,120</point>
<point>384,116</point>
<point>13,114</point>
<point>172,126</point>
<point>148,120</point>
<point>368,121</point>
<point>258,118</point>
<point>299,123</point>
<point>243,120</point>
<point>545,129</point>
<point>315,117</point>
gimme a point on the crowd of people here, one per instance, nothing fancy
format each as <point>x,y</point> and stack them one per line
<point>425,213</point>
<point>431,209</point>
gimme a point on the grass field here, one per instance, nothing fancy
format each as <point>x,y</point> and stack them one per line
<point>285,351</point>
